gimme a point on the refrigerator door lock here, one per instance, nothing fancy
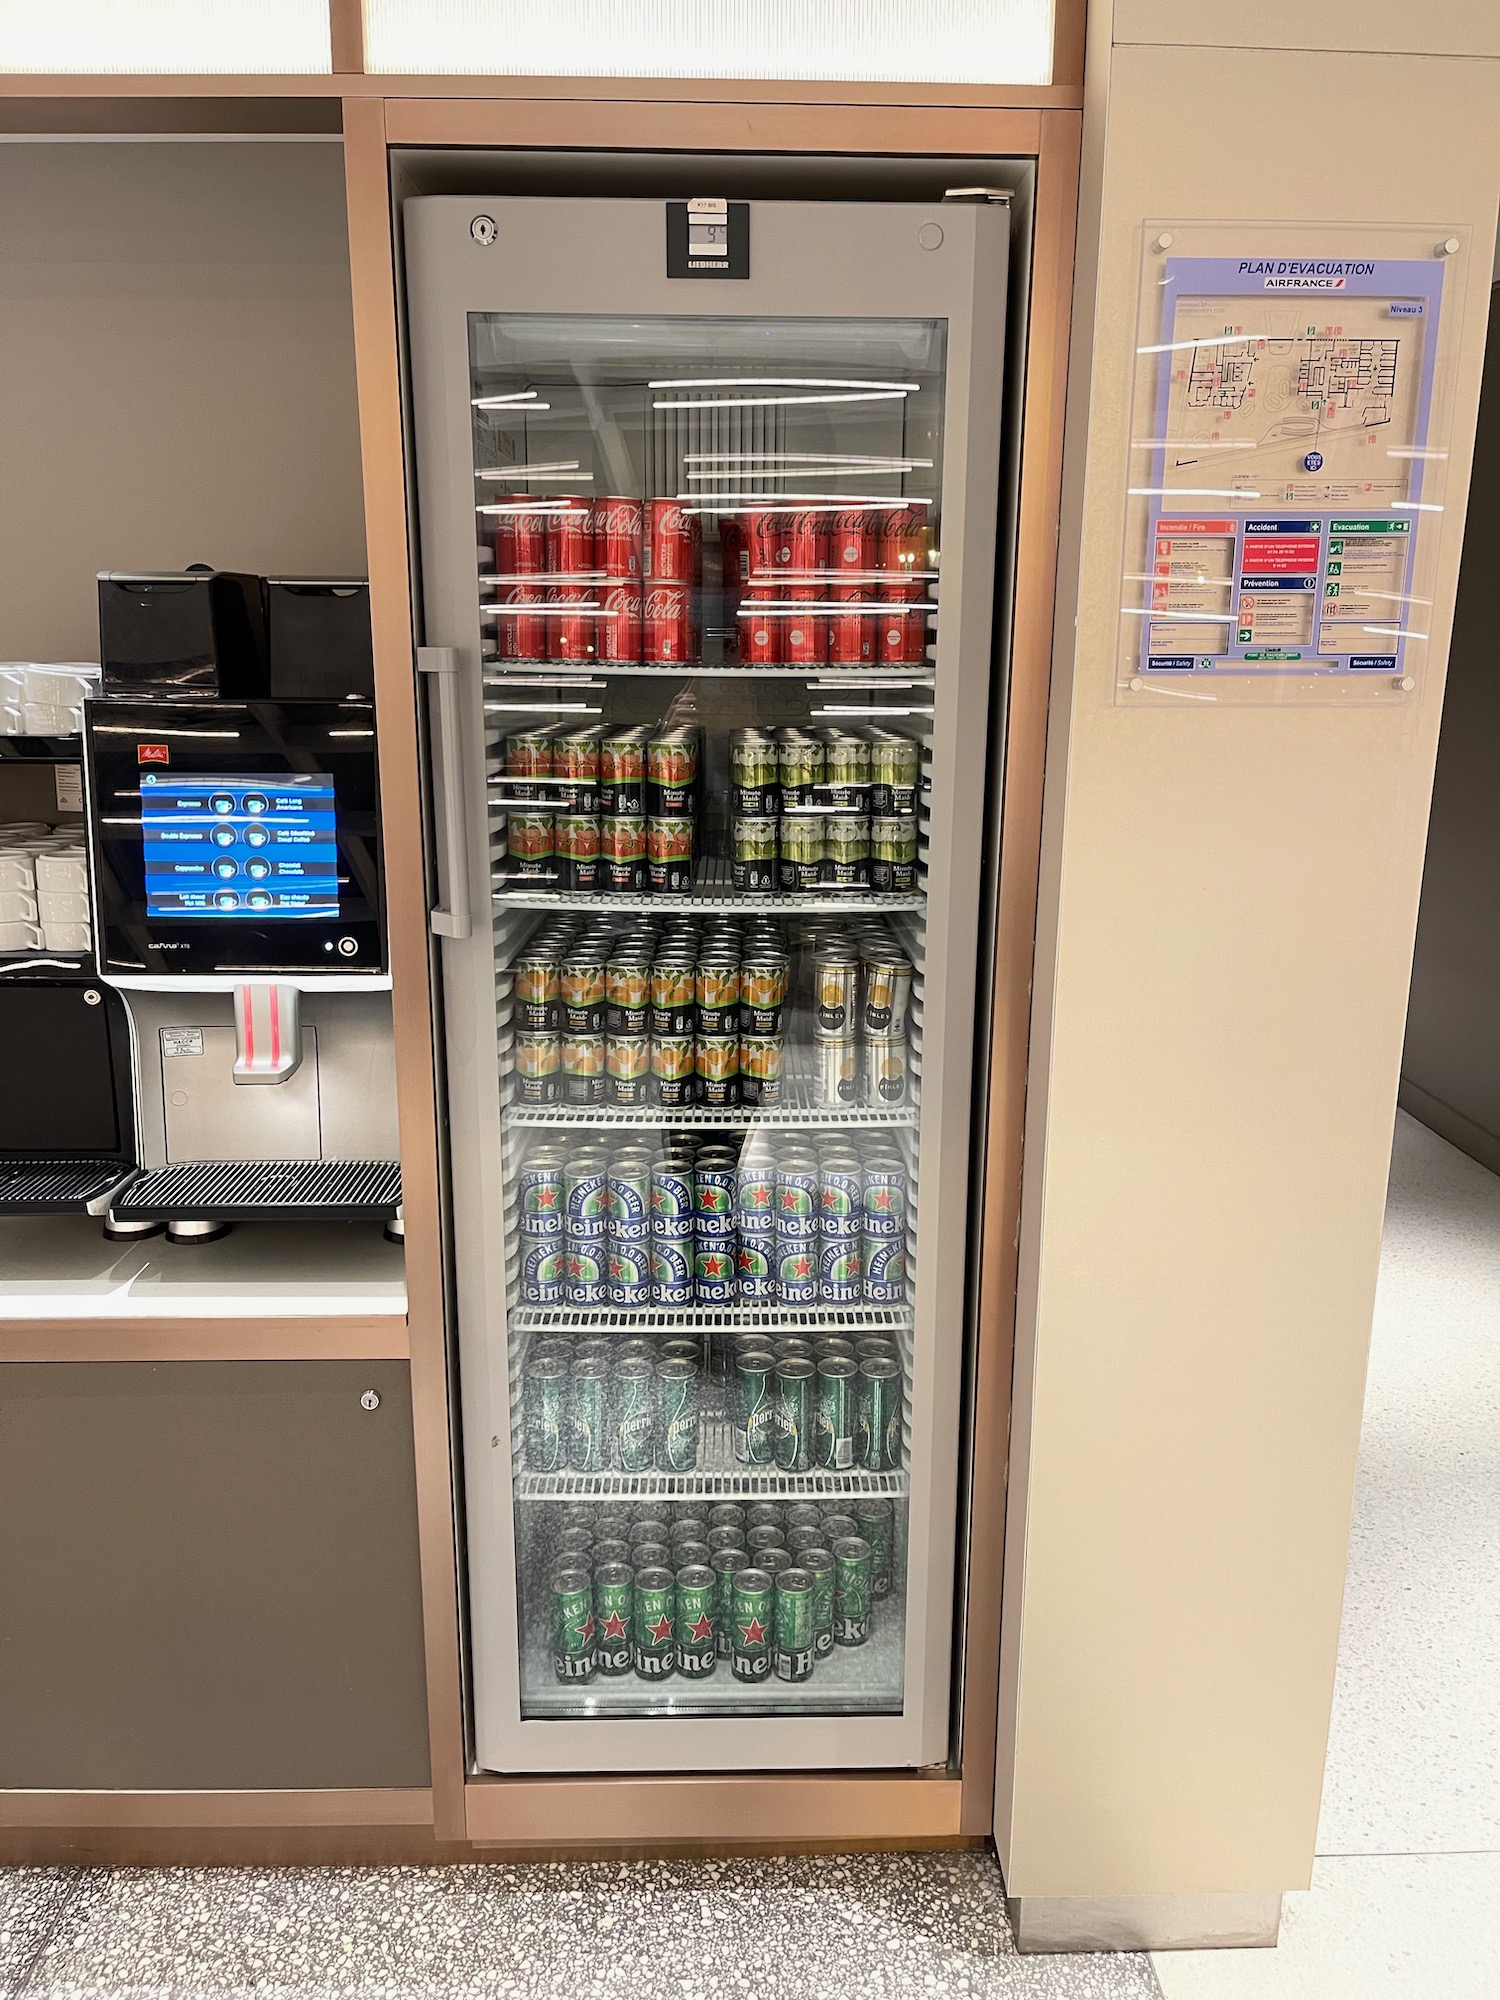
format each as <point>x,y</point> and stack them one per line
<point>483,230</point>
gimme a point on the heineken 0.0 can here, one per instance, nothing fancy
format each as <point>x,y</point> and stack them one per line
<point>629,1273</point>
<point>635,1415</point>
<point>796,1625</point>
<point>877,1526</point>
<point>853,1587</point>
<point>697,1590</point>
<point>614,1602</point>
<point>546,1415</point>
<point>797,1272</point>
<point>819,1565</point>
<point>543,1273</point>
<point>879,1445</point>
<point>752,1618</point>
<point>755,1268</point>
<point>755,1407</point>
<point>587,1282</point>
<point>885,1270</point>
<point>655,1636</point>
<point>574,1652</point>
<point>677,1416</point>
<point>840,1266</point>
<point>671,1271</point>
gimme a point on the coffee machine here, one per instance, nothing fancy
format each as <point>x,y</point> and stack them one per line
<point>235,833</point>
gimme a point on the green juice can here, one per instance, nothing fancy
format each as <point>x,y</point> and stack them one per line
<point>752,1620</point>
<point>819,1564</point>
<point>697,1642</point>
<point>614,1611</point>
<point>574,1653</point>
<point>877,1526</point>
<point>726,1563</point>
<point>655,1642</point>
<point>853,1587</point>
<point>796,1630</point>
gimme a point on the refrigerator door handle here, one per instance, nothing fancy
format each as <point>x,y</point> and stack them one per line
<point>450,920</point>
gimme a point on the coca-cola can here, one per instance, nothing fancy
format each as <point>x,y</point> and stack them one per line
<point>619,629</point>
<point>570,630</point>
<point>901,636</point>
<point>734,545</point>
<point>668,630</point>
<point>505,545</point>
<point>760,629</point>
<point>570,537</point>
<point>671,543</point>
<point>521,631</point>
<point>527,529</point>
<point>906,540</point>
<point>617,535</point>
<point>805,634</point>
<point>851,634</point>
<point>853,542</point>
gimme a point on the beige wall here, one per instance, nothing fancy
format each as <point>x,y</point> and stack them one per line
<point>1229,898</point>
<point>176,373</point>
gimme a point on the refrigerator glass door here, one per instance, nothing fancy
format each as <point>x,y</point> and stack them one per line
<point>710,1043</point>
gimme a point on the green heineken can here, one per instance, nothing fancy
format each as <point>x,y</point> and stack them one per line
<point>574,1654</point>
<point>877,1526</point>
<point>835,1423</point>
<point>726,1514</point>
<point>893,856</point>
<point>836,1526</point>
<point>614,1607</point>
<point>753,856</point>
<point>802,1514</point>
<point>611,1550</point>
<point>588,1417</point>
<point>688,1526</point>
<point>650,1555</point>
<point>819,1565</point>
<point>853,1585</point>
<point>766,1536</point>
<point>635,1414</point>
<point>798,1539</point>
<point>752,1618</point>
<point>690,1555</point>
<point>879,1445</point>
<point>794,1413</point>
<point>697,1591</point>
<point>649,1528</point>
<point>765,1513</point>
<point>796,1629</point>
<point>773,1561</point>
<point>677,1415</point>
<point>546,1415</point>
<point>571,1543</point>
<point>726,1564</point>
<point>755,1407</point>
<point>654,1638</point>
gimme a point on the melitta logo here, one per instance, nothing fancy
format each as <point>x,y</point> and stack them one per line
<point>153,753</point>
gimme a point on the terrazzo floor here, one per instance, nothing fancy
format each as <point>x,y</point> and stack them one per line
<point>1405,1902</point>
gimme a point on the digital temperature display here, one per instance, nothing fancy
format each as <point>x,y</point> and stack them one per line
<point>239,846</point>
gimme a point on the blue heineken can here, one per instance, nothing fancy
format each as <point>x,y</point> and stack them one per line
<point>755,1196</point>
<point>755,1267</point>
<point>840,1279</point>
<point>713,1198</point>
<point>672,1198</point>
<point>629,1273</point>
<point>630,1197</point>
<point>713,1270</point>
<point>542,1273</point>
<point>541,1193</point>
<point>797,1198</point>
<point>884,1197</point>
<point>588,1274</point>
<point>797,1272</point>
<point>671,1271</point>
<point>586,1194</point>
<point>840,1195</point>
<point>885,1270</point>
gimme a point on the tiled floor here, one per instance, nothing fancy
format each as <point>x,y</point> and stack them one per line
<point>1405,1902</point>
<point>1406,1899</point>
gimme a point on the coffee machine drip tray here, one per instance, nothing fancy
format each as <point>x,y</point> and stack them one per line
<point>59,1187</point>
<point>248,1190</point>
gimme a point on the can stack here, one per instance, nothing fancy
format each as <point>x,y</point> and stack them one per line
<point>611,580</point>
<point>595,1404</point>
<point>850,588</point>
<point>595,811</point>
<point>769,1591</point>
<point>861,998</point>
<point>820,1402</point>
<point>826,808</point>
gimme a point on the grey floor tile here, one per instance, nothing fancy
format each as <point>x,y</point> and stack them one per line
<point>1414,1750</point>
<point>30,1898</point>
<point>867,1927</point>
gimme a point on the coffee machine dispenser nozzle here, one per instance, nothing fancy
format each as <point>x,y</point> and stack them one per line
<point>267,1032</point>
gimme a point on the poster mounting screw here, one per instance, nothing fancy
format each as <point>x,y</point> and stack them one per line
<point>1449,247</point>
<point>1404,683</point>
<point>1164,241</point>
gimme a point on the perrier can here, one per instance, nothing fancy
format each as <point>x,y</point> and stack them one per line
<point>655,1623</point>
<point>819,1565</point>
<point>614,1603</point>
<point>697,1588</point>
<point>853,1584</point>
<point>753,1616</point>
<point>574,1653</point>
<point>796,1627</point>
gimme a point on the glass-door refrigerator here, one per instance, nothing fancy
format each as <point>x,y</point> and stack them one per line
<point>707,498</point>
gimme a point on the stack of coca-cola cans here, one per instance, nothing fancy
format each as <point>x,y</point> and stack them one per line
<point>601,580</point>
<point>788,573</point>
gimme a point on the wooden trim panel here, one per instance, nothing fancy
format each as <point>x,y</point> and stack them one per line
<point>365,1337</point>
<point>710,1811</point>
<point>346,22</point>
<point>215,1809</point>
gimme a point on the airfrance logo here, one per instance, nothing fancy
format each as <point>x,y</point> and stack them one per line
<point>1299,274</point>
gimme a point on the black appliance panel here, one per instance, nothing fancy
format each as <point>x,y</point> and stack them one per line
<point>318,634</point>
<point>67,1092</point>
<point>200,632</point>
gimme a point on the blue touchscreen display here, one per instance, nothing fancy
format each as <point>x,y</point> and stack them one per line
<point>236,846</point>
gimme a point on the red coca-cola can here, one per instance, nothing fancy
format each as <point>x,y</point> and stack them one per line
<point>901,635</point>
<point>671,543</point>
<point>851,634</point>
<point>906,540</point>
<point>617,535</point>
<point>805,633</point>
<point>570,628</point>
<point>521,633</point>
<point>526,551</point>
<point>669,635</point>
<point>619,628</point>
<point>853,542</point>
<point>570,537</point>
<point>760,628</point>
<point>783,544</point>
<point>734,545</point>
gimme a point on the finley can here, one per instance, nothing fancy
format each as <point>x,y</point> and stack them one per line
<point>697,1636</point>
<point>575,1656</point>
<point>755,1407</point>
<point>752,1618</point>
<point>545,1403</point>
<point>835,994</point>
<point>853,1587</point>
<point>614,1608</point>
<point>877,1526</point>
<point>795,1377</point>
<point>879,1445</point>
<point>886,1067</point>
<point>796,1625</point>
<point>836,1433</point>
<point>885,995</point>
<point>676,1416</point>
<point>654,1639</point>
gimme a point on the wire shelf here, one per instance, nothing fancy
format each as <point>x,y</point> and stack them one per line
<point>713,888</point>
<point>718,1476</point>
<point>707,1319</point>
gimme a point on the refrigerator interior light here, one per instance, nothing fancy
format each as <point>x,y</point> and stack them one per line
<point>776,402</point>
<point>777,382</point>
<point>772,458</point>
